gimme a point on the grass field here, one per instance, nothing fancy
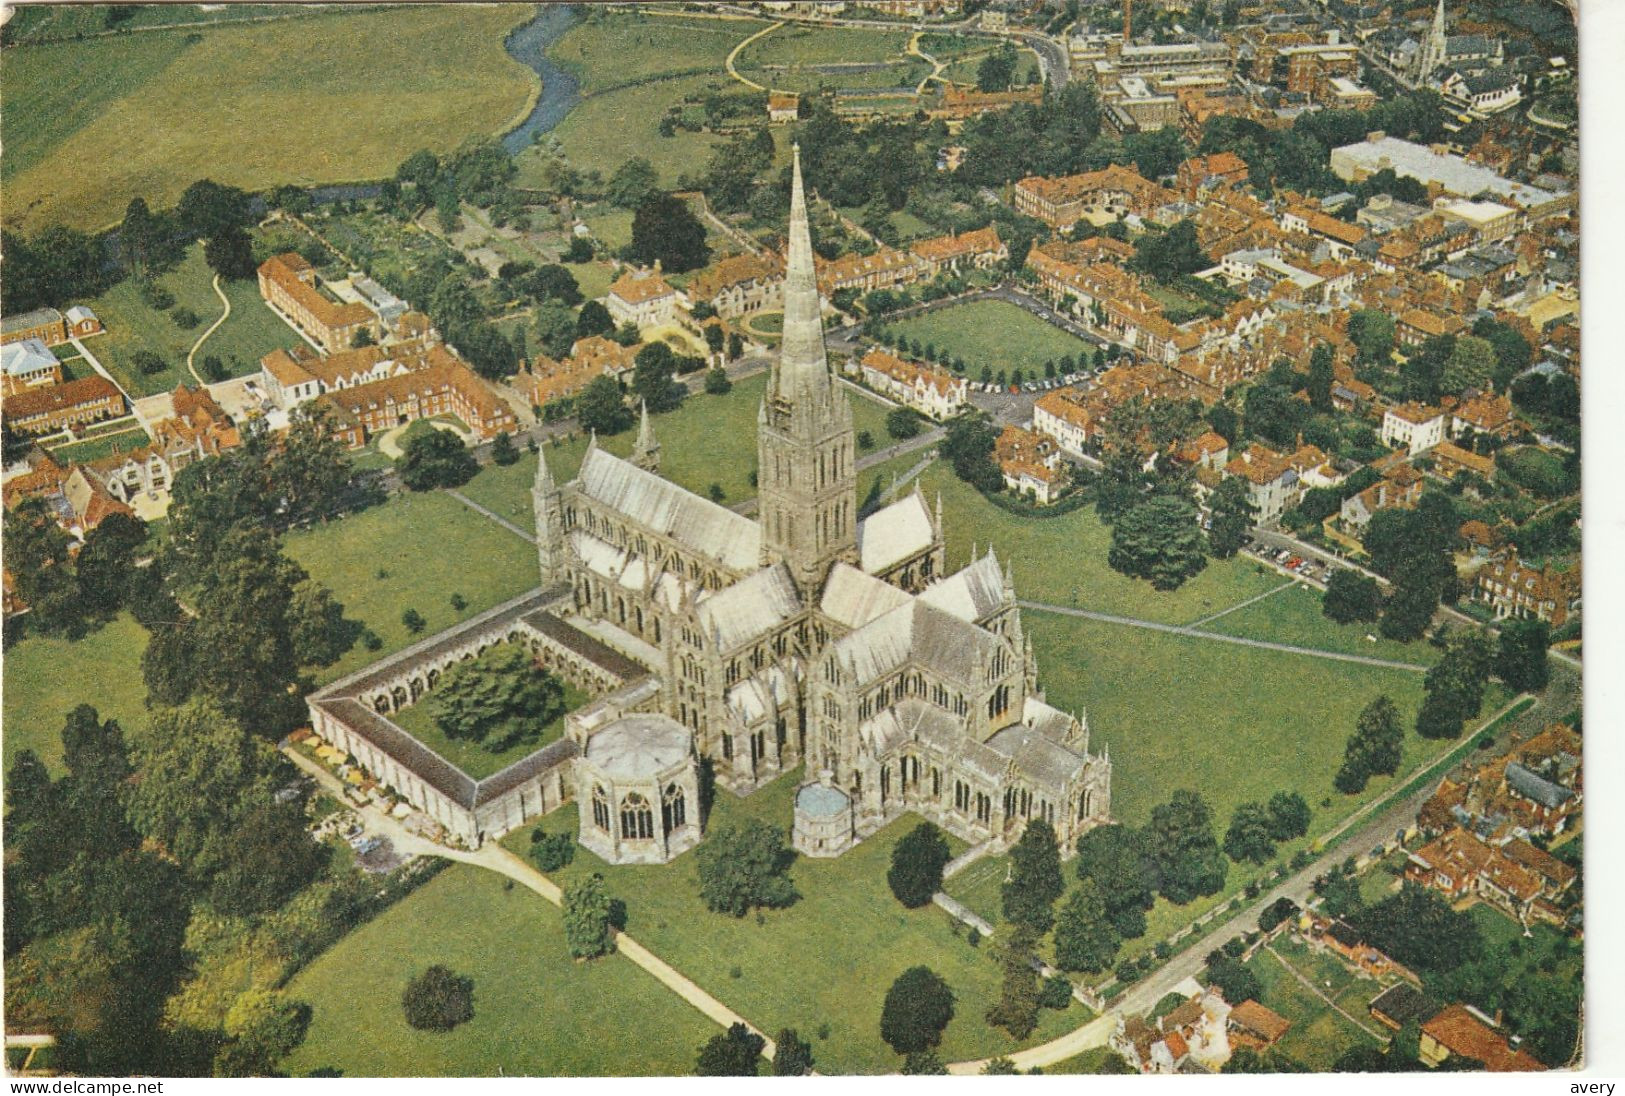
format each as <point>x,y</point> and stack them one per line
<point>468,755</point>
<point>1318,1035</point>
<point>613,48</point>
<point>993,333</point>
<point>1293,616</point>
<point>251,331</point>
<point>45,679</point>
<point>828,959</point>
<point>804,45</point>
<point>607,129</point>
<point>410,539</point>
<point>322,99</point>
<point>121,441</point>
<point>709,439</point>
<point>1062,559</point>
<point>536,1012</point>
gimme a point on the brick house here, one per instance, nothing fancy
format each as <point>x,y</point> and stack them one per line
<point>1514,589</point>
<point>934,393</point>
<point>289,284</point>
<point>47,409</point>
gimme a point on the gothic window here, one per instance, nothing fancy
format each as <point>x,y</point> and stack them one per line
<point>637,819</point>
<point>673,808</point>
<point>779,730</point>
<point>961,796</point>
<point>936,782</point>
<point>758,746</point>
<point>600,808</point>
<point>984,807</point>
<point>728,747</point>
<point>885,782</point>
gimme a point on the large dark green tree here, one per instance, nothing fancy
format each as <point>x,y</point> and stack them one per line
<point>1160,540</point>
<point>1251,834</point>
<point>736,1052</point>
<point>1035,878</point>
<point>433,459</point>
<point>917,1009</point>
<point>1232,512</point>
<point>745,866</point>
<point>1373,749</point>
<point>438,999</point>
<point>916,865</point>
<point>1118,860</point>
<point>1184,849</point>
<point>1520,655</point>
<point>499,699</point>
<point>1085,937</point>
<point>601,408</point>
<point>1351,596</point>
<point>665,230</point>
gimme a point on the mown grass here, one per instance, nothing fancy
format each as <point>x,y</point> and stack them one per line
<point>1294,616</point>
<point>826,960</point>
<point>614,48</point>
<point>47,678</point>
<point>536,1011</point>
<point>470,756</point>
<point>327,98</point>
<point>992,333</point>
<point>607,129</point>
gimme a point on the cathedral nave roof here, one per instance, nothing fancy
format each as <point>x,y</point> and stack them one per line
<point>854,599</point>
<point>750,608</point>
<point>893,533</point>
<point>696,523</point>
<point>972,594</point>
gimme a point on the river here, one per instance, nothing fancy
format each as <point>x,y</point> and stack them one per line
<point>561,90</point>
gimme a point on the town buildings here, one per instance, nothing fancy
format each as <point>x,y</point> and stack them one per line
<point>643,299</point>
<point>934,393</point>
<point>46,409</point>
<point>291,286</point>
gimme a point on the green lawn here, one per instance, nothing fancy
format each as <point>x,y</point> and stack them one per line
<point>46,678</point>
<point>828,959</point>
<point>709,439</point>
<point>1318,1035</point>
<point>605,130</point>
<point>536,1012</point>
<point>1062,559</point>
<point>428,548</point>
<point>330,98</point>
<point>470,756</point>
<point>90,449</point>
<point>993,333</point>
<point>251,332</point>
<point>1087,1062</point>
<point>1293,616</point>
<point>805,45</point>
<point>611,48</point>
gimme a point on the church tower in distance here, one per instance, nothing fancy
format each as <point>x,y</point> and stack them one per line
<point>807,471</point>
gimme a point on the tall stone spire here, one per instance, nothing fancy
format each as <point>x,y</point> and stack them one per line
<point>547,501</point>
<point>802,368</point>
<point>1435,48</point>
<point>646,452</point>
<point>806,455</point>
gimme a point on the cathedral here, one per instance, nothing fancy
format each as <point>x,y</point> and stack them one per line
<point>813,636</point>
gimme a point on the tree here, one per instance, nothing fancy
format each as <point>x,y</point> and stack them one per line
<point>1000,1067</point>
<point>262,1027</point>
<point>140,236</point>
<point>1233,979</point>
<point>665,230</point>
<point>38,555</point>
<point>594,320</point>
<point>1016,1010</point>
<point>1035,880</point>
<point>438,999</point>
<point>1410,608</point>
<point>413,621</point>
<point>499,699</point>
<point>792,1055</point>
<point>632,183</point>
<point>969,448</point>
<point>1351,596</point>
<point>1117,859</point>
<point>1232,512</point>
<point>1085,938</point>
<point>1159,540</point>
<point>996,70</point>
<point>652,377</point>
<point>435,458</point>
<point>917,1009</point>
<point>735,1053</point>
<point>552,851</point>
<point>503,451</point>
<point>1418,928</point>
<point>1373,749</point>
<point>1271,412</point>
<point>587,918</point>
<point>717,382</point>
<point>1455,685</point>
<point>1189,863</point>
<point>554,282</point>
<point>1170,254</point>
<point>1372,333</point>
<point>230,254</point>
<point>1250,834</point>
<point>1247,1060</point>
<point>902,423</point>
<point>1520,656</point>
<point>916,865</point>
<point>601,407</point>
<point>1471,364</point>
<point>1321,377</point>
<point>311,469</point>
<point>207,209</point>
<point>923,1063</point>
<point>744,866</point>
<point>1288,816</point>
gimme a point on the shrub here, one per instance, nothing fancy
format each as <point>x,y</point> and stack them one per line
<point>1056,993</point>
<point>438,999</point>
<point>184,318</point>
<point>552,851</point>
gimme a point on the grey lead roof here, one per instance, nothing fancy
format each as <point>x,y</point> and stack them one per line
<point>698,524</point>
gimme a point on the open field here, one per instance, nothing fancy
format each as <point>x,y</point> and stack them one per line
<point>47,678</point>
<point>605,130</point>
<point>1293,616</point>
<point>993,333</point>
<point>709,439</point>
<point>802,45</point>
<point>333,97</point>
<point>409,541</point>
<point>827,959</point>
<point>613,48</point>
<point>470,756</point>
<point>251,332</point>
<point>1062,559</point>
<point>536,1011</point>
<point>47,22</point>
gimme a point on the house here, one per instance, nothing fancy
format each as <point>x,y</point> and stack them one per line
<point>1483,413</point>
<point>1031,464</point>
<point>1272,481</point>
<point>1414,326</point>
<point>1412,426</point>
<point>296,375</point>
<point>1401,1004</point>
<point>1113,191</point>
<point>1345,941</point>
<point>1195,1033</point>
<point>198,428</point>
<point>1399,488</point>
<point>45,324</point>
<point>441,385</point>
<point>1458,1031</point>
<point>1198,176</point>
<point>740,285</point>
<point>783,106</point>
<point>886,268</point>
<point>932,392</point>
<point>1068,417</point>
<point>1449,459</point>
<point>979,250</point>
<point>290,286</point>
<point>1210,451</point>
<point>28,364</point>
<point>642,298</point>
<point>1510,876</point>
<point>1254,1026</point>
<point>543,380</point>
<point>49,408</point>
<point>1513,589</point>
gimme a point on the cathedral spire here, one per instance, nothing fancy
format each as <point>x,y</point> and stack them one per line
<point>802,367</point>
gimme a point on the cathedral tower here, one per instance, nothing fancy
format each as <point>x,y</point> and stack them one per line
<point>1432,54</point>
<point>807,470</point>
<point>546,498</point>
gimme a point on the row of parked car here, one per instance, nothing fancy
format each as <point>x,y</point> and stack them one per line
<point>1031,386</point>
<point>1312,569</point>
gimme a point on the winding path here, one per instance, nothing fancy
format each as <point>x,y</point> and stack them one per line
<point>733,56</point>
<point>201,339</point>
